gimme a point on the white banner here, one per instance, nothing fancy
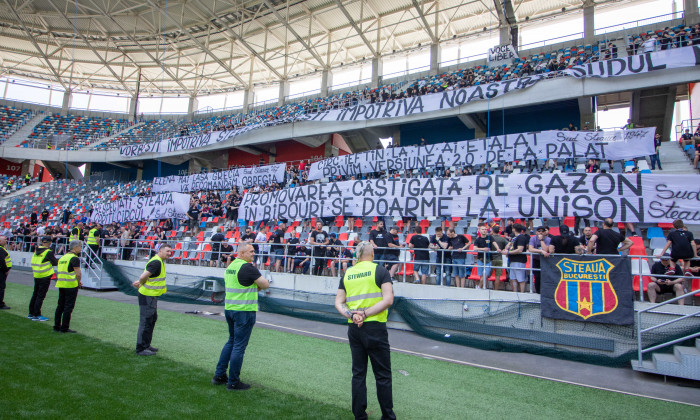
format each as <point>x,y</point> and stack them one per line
<point>159,206</point>
<point>222,180</point>
<point>641,63</point>
<point>502,53</point>
<point>626,198</point>
<point>611,145</point>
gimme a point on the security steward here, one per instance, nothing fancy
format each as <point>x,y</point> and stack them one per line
<point>93,241</point>
<point>364,297</point>
<point>151,284</point>
<point>243,281</point>
<point>76,234</point>
<point>5,266</point>
<point>67,282</point>
<point>42,261</point>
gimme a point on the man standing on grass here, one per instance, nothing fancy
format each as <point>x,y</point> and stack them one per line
<point>151,284</point>
<point>364,297</point>
<point>5,266</point>
<point>42,261</point>
<point>67,282</point>
<point>242,283</point>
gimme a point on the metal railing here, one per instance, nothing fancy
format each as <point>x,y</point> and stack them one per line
<point>640,22</point>
<point>92,264</point>
<point>640,349</point>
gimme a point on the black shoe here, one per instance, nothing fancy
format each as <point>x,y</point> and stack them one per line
<point>219,380</point>
<point>240,386</point>
<point>153,349</point>
<point>56,329</point>
<point>145,352</point>
<point>3,306</point>
<point>69,331</point>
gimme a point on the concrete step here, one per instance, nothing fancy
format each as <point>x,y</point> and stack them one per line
<point>20,135</point>
<point>683,363</point>
<point>689,357</point>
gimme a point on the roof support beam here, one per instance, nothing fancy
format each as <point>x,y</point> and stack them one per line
<point>296,35</point>
<point>357,29</point>
<point>426,25</point>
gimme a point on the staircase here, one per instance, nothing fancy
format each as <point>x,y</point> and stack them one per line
<point>114,135</point>
<point>674,160</point>
<point>683,363</point>
<point>20,135</point>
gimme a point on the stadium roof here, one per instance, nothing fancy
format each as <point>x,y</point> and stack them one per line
<point>194,47</point>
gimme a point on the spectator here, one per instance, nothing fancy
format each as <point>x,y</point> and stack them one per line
<point>421,253</point>
<point>292,248</point>
<point>655,157</point>
<point>261,240</point>
<point>277,249</point>
<point>586,237</point>
<point>661,284</point>
<point>318,239</point>
<point>564,243</point>
<point>391,255</point>
<point>333,253</point>
<point>440,242</point>
<point>686,138</point>
<point>216,240</point>
<point>682,246</point>
<point>379,238</point>
<point>193,216</point>
<point>517,258</point>
<point>459,244</point>
<point>226,253</point>
<point>539,247</point>
<point>302,258</point>
<point>606,241</point>
<point>485,244</point>
<point>45,216</point>
<point>497,261</point>
<point>249,237</point>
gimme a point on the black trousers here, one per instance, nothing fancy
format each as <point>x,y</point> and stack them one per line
<point>148,315</point>
<point>319,265</point>
<point>577,222</point>
<point>3,284</point>
<point>536,273</point>
<point>41,286</point>
<point>64,309</point>
<point>96,250</point>
<point>371,340</point>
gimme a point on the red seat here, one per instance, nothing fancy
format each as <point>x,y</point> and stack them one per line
<point>695,286</point>
<point>635,283</point>
<point>569,221</point>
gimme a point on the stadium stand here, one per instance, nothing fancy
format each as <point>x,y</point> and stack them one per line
<point>71,132</point>
<point>12,119</point>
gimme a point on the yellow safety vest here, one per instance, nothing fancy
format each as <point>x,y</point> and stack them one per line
<point>362,291</point>
<point>75,237</point>
<point>8,260</point>
<point>41,268</point>
<point>66,279</point>
<point>239,297</point>
<point>154,286</point>
<point>92,239</point>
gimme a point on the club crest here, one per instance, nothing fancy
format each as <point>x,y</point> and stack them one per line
<point>584,288</point>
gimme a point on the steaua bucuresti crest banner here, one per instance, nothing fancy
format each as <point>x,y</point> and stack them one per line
<point>587,288</point>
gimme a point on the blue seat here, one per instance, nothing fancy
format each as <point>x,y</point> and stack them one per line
<point>655,232</point>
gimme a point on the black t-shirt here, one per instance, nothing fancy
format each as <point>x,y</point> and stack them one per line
<point>77,232</point>
<point>564,244</point>
<point>250,236</point>
<point>333,247</point>
<point>276,238</point>
<point>193,212</point>
<point>153,267</point>
<point>226,249</point>
<point>680,243</point>
<point>486,242</point>
<point>381,276</point>
<point>248,274</point>
<point>658,268</point>
<point>608,241</point>
<point>458,242</point>
<point>73,263</point>
<point>216,240</point>
<point>292,250</point>
<point>3,266</point>
<point>44,215</point>
<point>421,245</point>
<point>520,240</point>
<point>319,237</point>
<point>393,251</point>
<point>442,256</point>
<point>381,239</point>
<point>509,231</point>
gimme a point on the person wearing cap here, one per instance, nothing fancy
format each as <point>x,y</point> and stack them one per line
<point>42,261</point>
<point>565,242</point>
<point>660,282</point>
<point>539,247</point>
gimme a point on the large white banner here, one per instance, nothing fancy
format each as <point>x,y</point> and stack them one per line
<point>636,64</point>
<point>641,63</point>
<point>159,206</point>
<point>611,145</point>
<point>223,180</point>
<point>644,198</point>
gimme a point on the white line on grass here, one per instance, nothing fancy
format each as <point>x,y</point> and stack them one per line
<point>461,362</point>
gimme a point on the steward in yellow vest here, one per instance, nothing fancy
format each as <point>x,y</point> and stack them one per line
<point>364,297</point>
<point>93,241</point>
<point>5,266</point>
<point>42,261</point>
<point>76,234</point>
<point>67,282</point>
<point>151,284</point>
<point>242,283</point>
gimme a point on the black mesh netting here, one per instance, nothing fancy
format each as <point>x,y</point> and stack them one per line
<point>485,324</point>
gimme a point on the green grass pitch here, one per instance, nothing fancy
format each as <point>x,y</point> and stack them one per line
<point>95,374</point>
